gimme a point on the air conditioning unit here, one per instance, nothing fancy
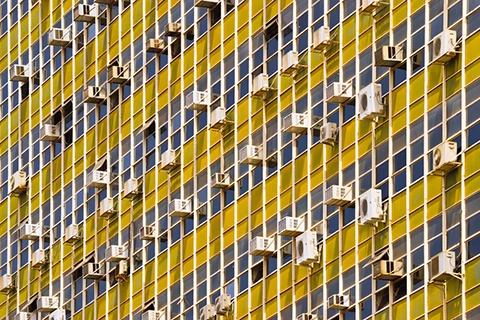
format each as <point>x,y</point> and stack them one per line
<point>371,210</point>
<point>147,233</point>
<point>116,253</point>
<point>370,102</point>
<point>59,37</point>
<point>30,231</point>
<point>58,314</point>
<point>47,304</point>
<point>338,196</point>
<point>328,133</point>
<point>107,207</point>
<point>206,3</point>
<point>97,179</point>
<point>290,226</point>
<point>389,56</point>
<point>131,188</point>
<point>85,13</point>
<point>121,271</point>
<point>442,266</point>
<point>218,118</point>
<point>261,246</point>
<point>260,84</point>
<point>307,316</point>
<point>207,312</point>
<point>118,74</point>
<point>338,92</point>
<point>370,5</point>
<point>154,315</point>
<point>290,62</point>
<point>388,270</point>
<point>445,156</point>
<point>321,38</point>
<point>168,160</point>
<point>296,122</point>
<point>6,283</point>
<point>24,316</point>
<point>339,302</point>
<point>223,304</point>
<point>251,155</point>
<point>39,258</point>
<point>173,29</point>
<point>220,180</point>
<point>72,233</point>
<point>307,250</point>
<point>196,100</point>
<point>444,46</point>
<point>92,271</point>
<point>49,132</point>
<point>180,208</point>
<point>93,94</point>
<point>18,183</point>
<point>20,73</point>
<point>156,45</point>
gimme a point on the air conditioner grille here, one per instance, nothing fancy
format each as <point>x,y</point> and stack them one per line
<point>437,156</point>
<point>437,46</point>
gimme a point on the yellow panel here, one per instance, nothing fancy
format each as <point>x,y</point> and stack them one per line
<point>399,229</point>
<point>286,177</point>
<point>398,209</point>
<point>416,86</point>
<point>242,305</point>
<point>257,198</point>
<point>215,36</point>
<point>416,195</point>
<point>286,276</point>
<point>271,187</point>
<point>256,295</point>
<point>435,296</point>
<point>332,248</point>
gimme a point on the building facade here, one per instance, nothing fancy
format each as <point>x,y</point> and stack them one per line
<point>250,159</point>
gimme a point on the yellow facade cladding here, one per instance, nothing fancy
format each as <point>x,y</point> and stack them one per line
<point>420,202</point>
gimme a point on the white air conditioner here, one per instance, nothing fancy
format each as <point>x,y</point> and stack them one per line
<point>389,56</point>
<point>388,270</point>
<point>116,253</point>
<point>39,258</point>
<point>206,3</point>
<point>220,180</point>
<point>47,304</point>
<point>97,179</point>
<point>72,233</point>
<point>118,74</point>
<point>370,5</point>
<point>321,38</point>
<point>260,84</point>
<point>196,100</point>
<point>338,195</point>
<point>290,62</point>
<point>121,270</point>
<point>107,207</point>
<point>339,302</point>
<point>445,156</point>
<point>30,231</point>
<point>18,183</point>
<point>58,314</point>
<point>59,37</point>
<point>307,250</point>
<point>180,208</point>
<point>338,92</point>
<point>173,29</point>
<point>6,283</point>
<point>371,210</point>
<point>328,133</point>
<point>92,271</point>
<point>168,160</point>
<point>49,132</point>
<point>290,226</point>
<point>24,316</point>
<point>261,246</point>
<point>218,118</point>
<point>444,46</point>
<point>207,312</point>
<point>223,304</point>
<point>156,45</point>
<point>154,315</point>
<point>147,233</point>
<point>296,122</point>
<point>20,72</point>
<point>251,155</point>
<point>131,188</point>
<point>307,316</point>
<point>442,266</point>
<point>93,94</point>
<point>370,102</point>
<point>85,13</point>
